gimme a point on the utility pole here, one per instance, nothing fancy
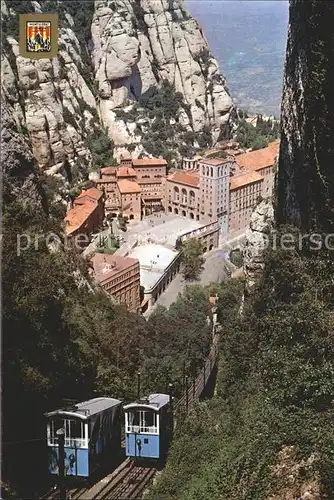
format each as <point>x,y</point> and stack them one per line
<point>61,462</point>
<point>170,392</point>
<point>138,385</point>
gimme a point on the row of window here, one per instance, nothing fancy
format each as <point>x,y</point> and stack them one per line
<point>129,197</point>
<point>120,288</point>
<point>210,171</point>
<point>125,276</point>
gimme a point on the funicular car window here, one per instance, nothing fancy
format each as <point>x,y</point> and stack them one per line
<point>74,433</point>
<point>53,426</point>
<point>142,421</point>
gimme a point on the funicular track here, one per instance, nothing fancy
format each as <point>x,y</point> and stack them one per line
<point>194,390</point>
<point>129,480</point>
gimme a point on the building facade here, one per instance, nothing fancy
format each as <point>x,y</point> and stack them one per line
<point>190,163</point>
<point>148,173</point>
<point>245,190</point>
<point>214,190</point>
<point>182,194</point>
<point>119,277</point>
<point>262,161</point>
<point>201,194</point>
<point>208,235</point>
<point>108,184</point>
<point>129,196</point>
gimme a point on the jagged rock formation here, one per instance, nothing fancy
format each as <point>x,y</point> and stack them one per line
<point>45,95</point>
<point>257,239</point>
<point>305,182</point>
<point>19,170</point>
<point>109,57</point>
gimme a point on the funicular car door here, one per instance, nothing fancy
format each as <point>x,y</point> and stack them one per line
<point>145,424</point>
<point>140,426</point>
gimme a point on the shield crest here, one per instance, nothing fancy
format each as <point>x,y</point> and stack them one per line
<point>38,35</point>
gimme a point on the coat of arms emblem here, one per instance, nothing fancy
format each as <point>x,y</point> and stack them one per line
<point>38,35</point>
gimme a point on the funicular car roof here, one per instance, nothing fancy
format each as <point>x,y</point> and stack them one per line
<point>87,409</point>
<point>152,401</point>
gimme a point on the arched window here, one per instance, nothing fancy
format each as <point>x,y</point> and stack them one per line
<point>211,171</point>
<point>184,213</point>
<point>191,215</point>
<point>207,171</point>
<point>170,209</point>
<point>176,211</point>
<point>191,198</point>
<point>176,193</point>
<point>184,196</point>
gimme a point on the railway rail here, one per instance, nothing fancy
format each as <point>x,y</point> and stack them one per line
<point>129,480</point>
<point>194,390</point>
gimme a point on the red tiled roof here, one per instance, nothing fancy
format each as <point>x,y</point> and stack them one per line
<point>244,179</point>
<point>77,216</point>
<point>215,161</point>
<point>108,171</point>
<point>190,179</point>
<point>91,192</point>
<point>106,181</point>
<point>126,186</point>
<point>126,172</point>
<point>148,162</point>
<point>105,266</point>
<point>261,158</point>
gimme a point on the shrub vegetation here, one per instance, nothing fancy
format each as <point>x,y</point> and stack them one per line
<point>257,137</point>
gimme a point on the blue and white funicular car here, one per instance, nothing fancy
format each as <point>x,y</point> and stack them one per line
<point>92,431</point>
<point>149,427</point>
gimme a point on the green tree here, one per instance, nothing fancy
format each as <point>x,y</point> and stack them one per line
<point>192,260</point>
<point>101,147</point>
<point>204,138</point>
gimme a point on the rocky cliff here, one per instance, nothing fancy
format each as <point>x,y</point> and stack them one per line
<point>257,240</point>
<point>305,182</point>
<point>114,55</point>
